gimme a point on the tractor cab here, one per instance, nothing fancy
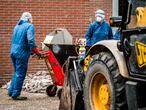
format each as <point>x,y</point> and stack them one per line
<point>132,23</point>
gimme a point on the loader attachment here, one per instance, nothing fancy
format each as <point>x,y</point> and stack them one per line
<point>72,98</point>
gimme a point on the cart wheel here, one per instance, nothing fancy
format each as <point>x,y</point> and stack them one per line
<point>51,90</point>
<point>59,93</point>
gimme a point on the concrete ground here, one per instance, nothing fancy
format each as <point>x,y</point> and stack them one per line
<point>35,101</point>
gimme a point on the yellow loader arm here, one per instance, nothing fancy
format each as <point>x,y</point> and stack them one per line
<point>141,16</point>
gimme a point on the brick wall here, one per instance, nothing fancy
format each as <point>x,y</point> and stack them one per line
<point>47,15</point>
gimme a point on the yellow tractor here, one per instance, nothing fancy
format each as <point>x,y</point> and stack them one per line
<point>116,74</point>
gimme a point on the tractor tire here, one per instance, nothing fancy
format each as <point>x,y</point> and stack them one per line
<point>104,87</point>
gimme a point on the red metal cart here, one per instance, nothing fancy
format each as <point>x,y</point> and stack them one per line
<point>55,61</point>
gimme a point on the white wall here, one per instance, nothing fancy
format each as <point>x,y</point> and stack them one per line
<point>115,6</point>
<point>115,11</point>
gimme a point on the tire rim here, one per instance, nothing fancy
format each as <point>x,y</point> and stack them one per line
<point>100,93</point>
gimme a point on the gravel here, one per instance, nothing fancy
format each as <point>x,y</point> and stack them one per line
<point>36,101</point>
<point>35,83</point>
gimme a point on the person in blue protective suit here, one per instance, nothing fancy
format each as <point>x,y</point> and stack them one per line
<point>99,29</point>
<point>23,43</point>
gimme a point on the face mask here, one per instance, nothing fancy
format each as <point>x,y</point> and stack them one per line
<point>99,19</point>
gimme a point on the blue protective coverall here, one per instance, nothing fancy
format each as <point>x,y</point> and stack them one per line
<point>98,32</point>
<point>23,40</point>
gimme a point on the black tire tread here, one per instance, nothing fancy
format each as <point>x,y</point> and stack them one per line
<point>119,81</point>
